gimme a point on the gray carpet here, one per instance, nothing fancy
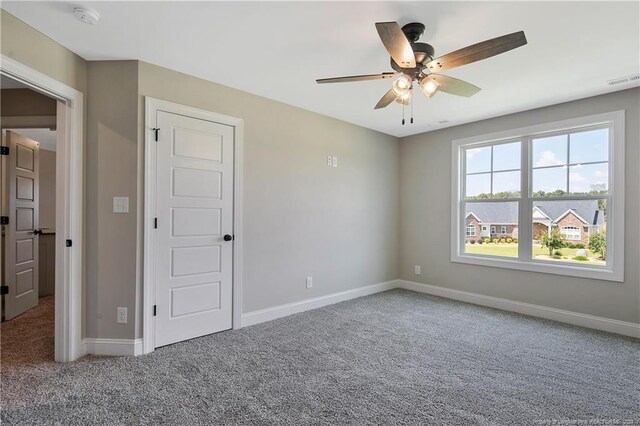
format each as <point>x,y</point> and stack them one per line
<point>393,358</point>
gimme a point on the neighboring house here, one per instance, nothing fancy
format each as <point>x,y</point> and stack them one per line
<point>576,220</point>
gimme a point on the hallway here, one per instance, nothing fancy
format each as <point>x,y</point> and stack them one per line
<point>28,340</point>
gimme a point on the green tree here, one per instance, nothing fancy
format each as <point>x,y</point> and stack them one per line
<point>598,243</point>
<point>553,240</point>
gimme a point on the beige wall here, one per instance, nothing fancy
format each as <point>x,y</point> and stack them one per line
<point>26,102</point>
<point>47,203</point>
<point>30,47</point>
<point>426,217</point>
<point>301,217</point>
<point>111,164</point>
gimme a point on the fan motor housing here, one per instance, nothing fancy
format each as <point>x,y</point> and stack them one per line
<point>423,53</point>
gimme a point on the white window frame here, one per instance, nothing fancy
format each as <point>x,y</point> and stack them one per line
<point>614,270</point>
<point>473,228</point>
<point>569,236</point>
<point>503,229</point>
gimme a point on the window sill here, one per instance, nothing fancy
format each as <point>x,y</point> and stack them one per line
<point>593,272</point>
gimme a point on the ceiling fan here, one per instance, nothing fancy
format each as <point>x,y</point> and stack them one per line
<point>414,62</point>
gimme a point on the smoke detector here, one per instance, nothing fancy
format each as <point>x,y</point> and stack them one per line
<point>88,16</point>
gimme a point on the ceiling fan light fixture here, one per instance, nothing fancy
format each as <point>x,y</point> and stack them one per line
<point>429,86</point>
<point>405,98</point>
<point>402,85</point>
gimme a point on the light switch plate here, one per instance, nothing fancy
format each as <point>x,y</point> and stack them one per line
<point>121,204</point>
<point>329,160</point>
<point>334,160</point>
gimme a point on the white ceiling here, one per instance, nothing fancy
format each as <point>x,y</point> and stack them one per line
<point>45,137</point>
<point>278,49</point>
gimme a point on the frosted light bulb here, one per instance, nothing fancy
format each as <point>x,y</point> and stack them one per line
<point>402,85</point>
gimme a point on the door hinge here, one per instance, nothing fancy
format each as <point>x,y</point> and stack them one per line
<point>156,130</point>
<point>4,150</point>
<point>4,220</point>
<point>69,243</point>
<point>4,289</point>
<point>155,223</point>
<point>154,310</point>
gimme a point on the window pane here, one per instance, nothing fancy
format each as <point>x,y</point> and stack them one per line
<point>569,231</point>
<point>589,147</point>
<point>495,228</point>
<point>549,182</point>
<point>506,184</point>
<point>591,178</point>
<point>478,184</point>
<point>478,160</point>
<point>551,151</point>
<point>506,156</point>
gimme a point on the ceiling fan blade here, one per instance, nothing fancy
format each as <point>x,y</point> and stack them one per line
<point>454,86</point>
<point>386,99</point>
<point>355,78</point>
<point>476,52</point>
<point>396,43</point>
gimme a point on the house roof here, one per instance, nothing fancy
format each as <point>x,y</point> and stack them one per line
<point>506,213</point>
<point>585,209</point>
<point>494,212</point>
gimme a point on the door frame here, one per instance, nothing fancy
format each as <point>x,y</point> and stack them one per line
<point>152,107</point>
<point>69,203</point>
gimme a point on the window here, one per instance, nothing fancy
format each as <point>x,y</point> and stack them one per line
<point>471,231</point>
<point>570,233</point>
<point>554,192</point>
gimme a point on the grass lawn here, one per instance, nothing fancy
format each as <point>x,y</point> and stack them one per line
<point>539,252</point>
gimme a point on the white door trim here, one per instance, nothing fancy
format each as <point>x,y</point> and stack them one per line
<point>69,219</point>
<point>152,106</point>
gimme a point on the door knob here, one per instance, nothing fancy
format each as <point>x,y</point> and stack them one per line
<point>37,232</point>
<point>228,237</point>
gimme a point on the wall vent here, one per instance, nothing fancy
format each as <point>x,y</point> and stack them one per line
<point>634,77</point>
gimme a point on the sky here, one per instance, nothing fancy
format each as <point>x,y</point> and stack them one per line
<point>559,162</point>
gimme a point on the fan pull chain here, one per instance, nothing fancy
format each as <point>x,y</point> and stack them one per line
<point>403,114</point>
<point>411,107</point>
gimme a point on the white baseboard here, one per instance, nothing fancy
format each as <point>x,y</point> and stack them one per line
<point>575,318</point>
<point>123,347</point>
<point>268,314</point>
<point>115,347</point>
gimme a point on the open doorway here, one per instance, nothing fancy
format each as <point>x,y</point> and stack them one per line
<point>22,130</point>
<point>28,206</point>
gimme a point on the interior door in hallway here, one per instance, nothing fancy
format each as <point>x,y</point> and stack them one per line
<point>194,246</point>
<point>21,249</point>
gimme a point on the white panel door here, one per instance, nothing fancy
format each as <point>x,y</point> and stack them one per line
<point>194,193</point>
<point>21,256</point>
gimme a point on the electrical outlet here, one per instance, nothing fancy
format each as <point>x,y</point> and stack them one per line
<point>309,282</point>
<point>335,161</point>
<point>329,160</point>
<point>121,204</point>
<point>122,315</point>
<point>417,270</point>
